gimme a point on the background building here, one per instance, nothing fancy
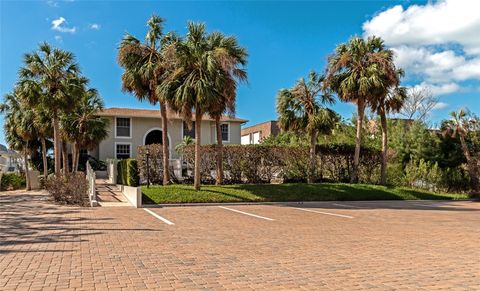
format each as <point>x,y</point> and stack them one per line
<point>256,133</point>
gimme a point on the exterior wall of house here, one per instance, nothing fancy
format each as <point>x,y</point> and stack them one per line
<point>141,126</point>
<point>255,133</point>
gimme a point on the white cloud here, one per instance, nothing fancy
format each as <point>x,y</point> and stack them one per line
<point>440,106</point>
<point>94,26</point>
<point>60,25</point>
<point>437,42</point>
<point>439,89</point>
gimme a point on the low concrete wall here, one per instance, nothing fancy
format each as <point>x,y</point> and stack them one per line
<point>34,182</point>
<point>133,195</point>
<point>112,171</point>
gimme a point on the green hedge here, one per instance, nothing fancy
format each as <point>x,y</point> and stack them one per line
<point>128,172</point>
<point>12,181</point>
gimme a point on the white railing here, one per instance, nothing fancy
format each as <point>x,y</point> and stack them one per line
<point>92,195</point>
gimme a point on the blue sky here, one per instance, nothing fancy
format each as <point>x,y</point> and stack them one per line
<point>285,40</point>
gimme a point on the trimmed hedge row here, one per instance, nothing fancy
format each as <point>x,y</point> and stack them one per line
<point>12,181</point>
<point>70,188</point>
<point>128,172</point>
<point>262,163</point>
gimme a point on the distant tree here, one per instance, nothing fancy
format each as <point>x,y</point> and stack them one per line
<point>302,109</point>
<point>419,104</point>
<point>460,124</point>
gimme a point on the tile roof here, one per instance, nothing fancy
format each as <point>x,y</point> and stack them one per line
<point>154,113</point>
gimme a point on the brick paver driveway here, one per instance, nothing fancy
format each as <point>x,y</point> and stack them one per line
<point>343,245</point>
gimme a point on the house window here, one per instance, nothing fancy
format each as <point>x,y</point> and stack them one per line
<point>123,127</point>
<point>224,128</point>
<point>122,151</point>
<point>189,132</point>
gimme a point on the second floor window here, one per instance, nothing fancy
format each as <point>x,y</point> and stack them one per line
<point>123,127</point>
<point>225,134</point>
<point>189,132</point>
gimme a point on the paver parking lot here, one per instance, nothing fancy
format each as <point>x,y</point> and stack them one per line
<point>329,245</point>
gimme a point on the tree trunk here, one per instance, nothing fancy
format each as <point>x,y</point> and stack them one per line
<point>472,168</point>
<point>77,159</point>
<point>74,157</point>
<point>313,158</point>
<point>65,157</point>
<point>219,151</point>
<point>198,149</point>
<point>27,177</point>
<point>44,158</point>
<point>358,140</point>
<point>56,144</point>
<point>166,153</point>
<point>383,169</point>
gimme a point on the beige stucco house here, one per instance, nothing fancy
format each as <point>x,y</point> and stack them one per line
<point>130,128</point>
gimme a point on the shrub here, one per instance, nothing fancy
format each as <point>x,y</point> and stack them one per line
<point>70,188</point>
<point>12,181</point>
<point>261,163</point>
<point>128,172</point>
<point>155,163</point>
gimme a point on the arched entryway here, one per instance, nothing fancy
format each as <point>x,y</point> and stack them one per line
<point>153,137</point>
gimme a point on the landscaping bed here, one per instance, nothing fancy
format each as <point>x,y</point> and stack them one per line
<point>287,192</point>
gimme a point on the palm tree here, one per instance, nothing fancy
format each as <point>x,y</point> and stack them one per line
<point>144,70</point>
<point>83,127</point>
<point>302,109</point>
<point>460,125</point>
<point>186,141</point>
<point>355,74</point>
<point>194,83</point>
<point>43,124</point>
<point>57,72</point>
<point>231,57</point>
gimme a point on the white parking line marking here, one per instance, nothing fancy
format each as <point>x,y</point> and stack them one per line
<point>158,216</point>
<point>326,213</point>
<point>346,205</point>
<point>246,213</point>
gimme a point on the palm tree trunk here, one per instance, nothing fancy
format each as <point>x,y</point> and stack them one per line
<point>77,157</point>
<point>27,177</point>
<point>44,158</point>
<point>198,149</point>
<point>65,157</point>
<point>166,153</point>
<point>472,168</point>
<point>219,169</point>
<point>358,140</point>
<point>74,157</point>
<point>313,158</point>
<point>56,144</point>
<point>383,169</point>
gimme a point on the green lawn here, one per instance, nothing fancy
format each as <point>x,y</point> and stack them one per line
<point>285,192</point>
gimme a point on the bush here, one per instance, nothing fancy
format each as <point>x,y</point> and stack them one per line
<point>155,163</point>
<point>12,181</point>
<point>128,172</point>
<point>261,163</point>
<point>68,189</point>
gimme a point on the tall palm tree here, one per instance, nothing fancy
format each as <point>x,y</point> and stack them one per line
<point>355,73</point>
<point>195,82</point>
<point>232,58</point>
<point>144,70</point>
<point>43,124</point>
<point>302,109</point>
<point>460,125</point>
<point>57,72</point>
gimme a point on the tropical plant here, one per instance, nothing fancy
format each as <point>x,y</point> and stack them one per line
<point>144,70</point>
<point>231,58</point>
<point>459,125</point>
<point>388,100</point>
<point>57,73</point>
<point>186,141</point>
<point>194,83</point>
<point>355,73</point>
<point>302,109</point>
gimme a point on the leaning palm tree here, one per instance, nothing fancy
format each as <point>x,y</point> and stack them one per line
<point>144,70</point>
<point>460,125</point>
<point>232,59</point>
<point>57,73</point>
<point>355,73</point>
<point>194,83</point>
<point>302,109</point>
